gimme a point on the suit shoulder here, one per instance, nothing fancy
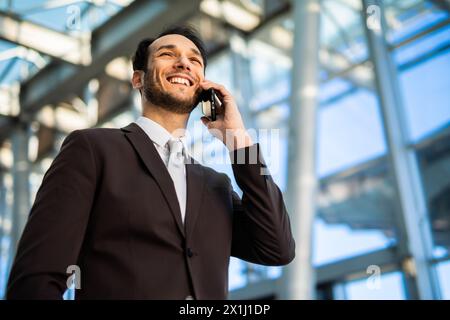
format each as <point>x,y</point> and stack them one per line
<point>96,139</point>
<point>92,132</point>
<point>97,134</point>
<point>214,175</point>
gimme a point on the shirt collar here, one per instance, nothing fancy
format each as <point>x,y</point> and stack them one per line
<point>157,133</point>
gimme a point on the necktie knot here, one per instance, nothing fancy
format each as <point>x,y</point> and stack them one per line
<point>176,151</point>
<point>175,146</point>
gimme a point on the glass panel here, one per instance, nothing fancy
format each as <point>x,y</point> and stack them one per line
<point>342,34</point>
<point>406,18</point>
<point>53,17</point>
<point>269,68</point>
<point>335,241</point>
<point>65,16</point>
<point>356,206</point>
<point>237,274</point>
<point>426,95</point>
<point>443,270</point>
<point>422,47</point>
<point>434,163</point>
<point>349,132</point>
<point>388,287</point>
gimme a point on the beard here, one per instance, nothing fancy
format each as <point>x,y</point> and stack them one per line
<point>155,94</point>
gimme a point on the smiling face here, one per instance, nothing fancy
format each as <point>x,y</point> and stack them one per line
<point>174,71</point>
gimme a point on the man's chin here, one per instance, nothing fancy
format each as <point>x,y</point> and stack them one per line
<point>185,99</point>
<point>180,105</point>
<point>182,101</point>
<point>176,101</point>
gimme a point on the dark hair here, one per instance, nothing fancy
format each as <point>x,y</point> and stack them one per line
<point>140,57</point>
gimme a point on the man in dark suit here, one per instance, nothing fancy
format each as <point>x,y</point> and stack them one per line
<point>135,214</point>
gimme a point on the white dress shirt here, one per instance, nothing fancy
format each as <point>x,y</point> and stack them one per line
<point>160,138</point>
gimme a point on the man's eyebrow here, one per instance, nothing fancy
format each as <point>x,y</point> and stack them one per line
<point>172,46</point>
<point>167,46</point>
<point>195,51</point>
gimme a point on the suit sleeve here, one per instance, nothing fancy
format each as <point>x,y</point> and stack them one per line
<point>261,227</point>
<point>55,229</point>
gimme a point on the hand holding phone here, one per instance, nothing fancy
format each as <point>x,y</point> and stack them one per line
<point>229,126</point>
<point>210,104</point>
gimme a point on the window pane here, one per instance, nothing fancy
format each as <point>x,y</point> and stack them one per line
<point>427,95</point>
<point>356,200</point>
<point>388,287</point>
<point>237,274</point>
<point>434,163</point>
<point>270,72</point>
<point>350,131</point>
<point>405,18</point>
<point>356,213</point>
<point>443,270</point>
<point>334,241</point>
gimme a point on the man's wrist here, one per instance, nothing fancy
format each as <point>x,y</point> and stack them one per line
<point>237,139</point>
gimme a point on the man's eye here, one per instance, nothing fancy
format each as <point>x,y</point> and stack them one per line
<point>196,60</point>
<point>165,54</point>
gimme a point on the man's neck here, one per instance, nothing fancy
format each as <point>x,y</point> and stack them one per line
<point>173,122</point>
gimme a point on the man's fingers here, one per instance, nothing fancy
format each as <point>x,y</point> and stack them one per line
<point>221,90</point>
<point>205,120</point>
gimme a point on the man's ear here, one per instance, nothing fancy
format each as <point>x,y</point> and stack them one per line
<point>137,80</point>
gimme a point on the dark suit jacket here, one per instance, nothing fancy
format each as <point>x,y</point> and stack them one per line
<point>108,205</point>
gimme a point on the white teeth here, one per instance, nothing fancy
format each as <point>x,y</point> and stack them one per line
<point>179,80</point>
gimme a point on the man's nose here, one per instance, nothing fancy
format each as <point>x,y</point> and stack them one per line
<point>183,63</point>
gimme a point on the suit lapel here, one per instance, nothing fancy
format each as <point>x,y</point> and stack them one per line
<point>149,155</point>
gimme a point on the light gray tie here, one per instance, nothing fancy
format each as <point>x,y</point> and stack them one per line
<point>176,169</point>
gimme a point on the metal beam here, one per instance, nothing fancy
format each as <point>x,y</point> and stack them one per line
<point>117,37</point>
<point>299,279</point>
<point>44,40</point>
<point>21,186</point>
<point>356,267</point>
<point>415,238</point>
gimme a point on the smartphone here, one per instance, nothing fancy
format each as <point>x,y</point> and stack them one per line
<point>210,104</point>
